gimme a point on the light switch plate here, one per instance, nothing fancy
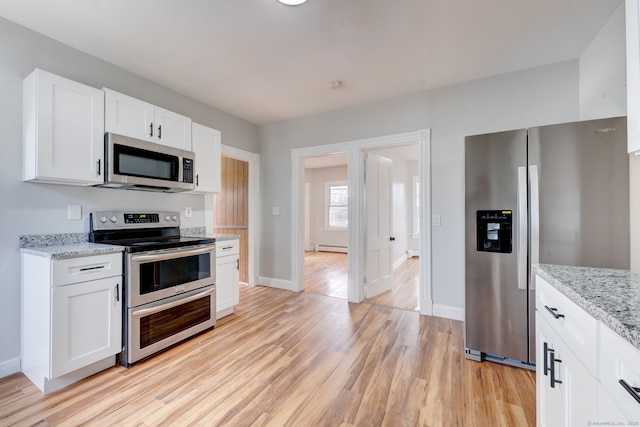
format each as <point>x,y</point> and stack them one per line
<point>435,220</point>
<point>275,210</point>
<point>188,213</point>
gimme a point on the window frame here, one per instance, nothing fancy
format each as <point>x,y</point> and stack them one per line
<point>328,205</point>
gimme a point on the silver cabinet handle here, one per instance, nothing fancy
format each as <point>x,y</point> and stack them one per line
<point>117,292</point>
<point>633,391</point>
<point>522,228</point>
<point>153,310</point>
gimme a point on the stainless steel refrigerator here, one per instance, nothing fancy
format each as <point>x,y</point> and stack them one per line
<point>554,195</point>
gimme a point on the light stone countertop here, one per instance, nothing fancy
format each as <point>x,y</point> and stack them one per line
<point>611,296</point>
<point>72,250</point>
<point>73,245</point>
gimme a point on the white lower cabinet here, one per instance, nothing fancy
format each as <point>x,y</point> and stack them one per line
<point>227,276</point>
<point>71,317</point>
<point>620,377</point>
<point>581,365</point>
<point>566,389</point>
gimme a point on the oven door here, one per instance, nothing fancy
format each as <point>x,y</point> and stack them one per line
<point>156,326</point>
<point>160,274</point>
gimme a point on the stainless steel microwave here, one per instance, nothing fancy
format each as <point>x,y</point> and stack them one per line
<point>141,165</point>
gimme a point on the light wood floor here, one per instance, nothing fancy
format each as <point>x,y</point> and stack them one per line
<point>326,274</point>
<point>294,359</point>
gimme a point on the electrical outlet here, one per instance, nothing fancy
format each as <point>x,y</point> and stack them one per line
<point>188,213</point>
<point>75,212</point>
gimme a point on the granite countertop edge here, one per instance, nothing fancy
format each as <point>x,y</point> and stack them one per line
<point>71,250</point>
<point>606,294</point>
<point>73,245</point>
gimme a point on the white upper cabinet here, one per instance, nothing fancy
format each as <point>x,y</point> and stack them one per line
<point>63,130</point>
<point>633,75</point>
<point>206,143</point>
<point>132,117</point>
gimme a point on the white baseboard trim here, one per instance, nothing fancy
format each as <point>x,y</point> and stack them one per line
<point>276,283</point>
<point>411,253</point>
<point>326,248</point>
<point>399,261</point>
<point>448,312</point>
<point>9,367</point>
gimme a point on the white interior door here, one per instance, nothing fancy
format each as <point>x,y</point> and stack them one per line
<point>307,216</point>
<point>379,240</point>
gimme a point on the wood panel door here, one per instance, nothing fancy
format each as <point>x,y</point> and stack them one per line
<point>231,215</point>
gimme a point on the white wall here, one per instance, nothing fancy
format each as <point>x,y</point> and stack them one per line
<point>27,208</point>
<point>318,177</point>
<point>531,97</point>
<point>603,72</point>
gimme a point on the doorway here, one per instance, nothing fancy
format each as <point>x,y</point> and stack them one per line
<point>240,197</point>
<point>392,226</point>
<point>356,241</point>
<point>326,225</point>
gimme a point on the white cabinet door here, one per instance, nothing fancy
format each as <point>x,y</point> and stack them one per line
<point>633,75</point>
<point>566,389</point>
<point>227,276</point>
<point>620,364</point>
<point>549,399</point>
<point>206,143</point>
<point>227,283</point>
<point>63,128</point>
<point>86,324</point>
<point>128,116</point>
<point>173,129</point>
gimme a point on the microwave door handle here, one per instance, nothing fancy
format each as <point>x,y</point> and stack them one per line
<point>170,255</point>
<point>159,308</point>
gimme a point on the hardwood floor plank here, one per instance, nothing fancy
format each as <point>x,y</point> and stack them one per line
<point>294,359</point>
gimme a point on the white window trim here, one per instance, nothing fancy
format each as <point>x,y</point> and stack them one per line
<point>327,204</point>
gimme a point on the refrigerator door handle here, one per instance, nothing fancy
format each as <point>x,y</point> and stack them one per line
<point>535,219</point>
<point>522,228</point>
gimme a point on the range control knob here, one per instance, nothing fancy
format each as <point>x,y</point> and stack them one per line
<point>103,219</point>
<point>114,219</point>
<point>174,218</point>
<point>167,218</point>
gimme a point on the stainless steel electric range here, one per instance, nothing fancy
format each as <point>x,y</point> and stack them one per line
<point>169,286</point>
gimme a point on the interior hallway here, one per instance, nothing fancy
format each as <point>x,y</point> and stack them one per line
<point>326,274</point>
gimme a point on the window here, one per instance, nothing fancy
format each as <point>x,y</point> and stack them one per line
<point>337,209</point>
<point>416,206</point>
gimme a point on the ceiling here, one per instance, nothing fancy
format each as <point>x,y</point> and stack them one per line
<point>266,62</point>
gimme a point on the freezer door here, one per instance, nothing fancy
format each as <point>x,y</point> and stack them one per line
<point>583,170</point>
<point>495,292</point>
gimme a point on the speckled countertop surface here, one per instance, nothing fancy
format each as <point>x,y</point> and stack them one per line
<point>71,250</point>
<point>60,246</point>
<point>201,232</point>
<point>611,296</point>
<point>72,245</point>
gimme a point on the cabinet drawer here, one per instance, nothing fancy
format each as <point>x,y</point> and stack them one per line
<point>571,322</point>
<point>227,247</point>
<point>620,360</point>
<point>82,269</point>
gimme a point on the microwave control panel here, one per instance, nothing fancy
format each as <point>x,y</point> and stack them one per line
<point>187,170</point>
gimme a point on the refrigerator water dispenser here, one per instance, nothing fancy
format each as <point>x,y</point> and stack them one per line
<point>493,230</point>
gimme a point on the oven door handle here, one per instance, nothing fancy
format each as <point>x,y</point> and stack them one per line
<point>157,309</point>
<point>171,254</point>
